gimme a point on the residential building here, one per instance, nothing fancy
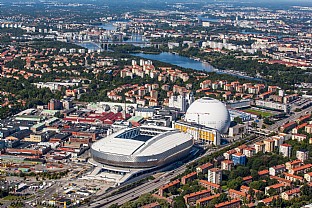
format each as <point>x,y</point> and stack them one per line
<point>247,179</point>
<point>269,145</point>
<point>152,205</point>
<point>290,194</point>
<point>293,178</point>
<point>215,188</point>
<point>249,151</point>
<point>215,175</point>
<point>281,180</point>
<point>276,170</point>
<point>279,187</point>
<point>263,173</point>
<point>301,169</point>
<point>299,137</point>
<point>308,177</point>
<point>239,159</point>
<point>269,200</point>
<point>293,164</point>
<point>227,165</point>
<point>259,147</point>
<point>285,150</point>
<point>204,168</point>
<point>235,203</point>
<point>165,187</point>
<point>189,177</point>
<point>302,155</point>
<point>203,202</point>
<point>234,194</point>
<point>191,198</point>
<point>228,155</point>
<point>308,128</point>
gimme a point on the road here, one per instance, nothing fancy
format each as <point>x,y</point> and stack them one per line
<point>293,117</point>
<point>106,201</point>
<point>148,186</point>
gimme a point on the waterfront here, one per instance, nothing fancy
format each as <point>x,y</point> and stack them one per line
<point>187,62</point>
<point>178,60</point>
<point>89,45</point>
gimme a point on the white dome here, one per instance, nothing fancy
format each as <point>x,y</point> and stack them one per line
<point>209,112</point>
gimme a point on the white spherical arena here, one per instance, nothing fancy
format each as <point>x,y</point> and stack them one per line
<point>210,113</point>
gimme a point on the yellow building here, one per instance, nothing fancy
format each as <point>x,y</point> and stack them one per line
<point>259,146</point>
<point>269,145</point>
<point>34,138</point>
<point>199,132</point>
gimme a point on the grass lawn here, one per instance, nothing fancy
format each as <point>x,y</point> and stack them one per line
<point>263,114</point>
<point>11,198</point>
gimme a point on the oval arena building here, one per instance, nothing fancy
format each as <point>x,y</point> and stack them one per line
<point>142,147</point>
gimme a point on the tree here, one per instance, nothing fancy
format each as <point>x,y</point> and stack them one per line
<point>306,190</point>
<point>272,192</point>
<point>179,202</point>
<point>238,120</point>
<point>258,185</point>
<point>251,192</point>
<point>260,205</point>
<point>235,183</point>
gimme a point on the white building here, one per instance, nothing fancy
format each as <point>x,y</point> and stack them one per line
<point>302,155</point>
<point>181,102</point>
<point>215,175</point>
<point>285,150</point>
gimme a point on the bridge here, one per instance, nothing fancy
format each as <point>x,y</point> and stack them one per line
<point>105,44</point>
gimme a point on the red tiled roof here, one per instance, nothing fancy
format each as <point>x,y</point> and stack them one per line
<point>263,172</point>
<point>208,198</point>
<point>196,193</point>
<point>303,167</point>
<point>292,191</point>
<point>227,203</point>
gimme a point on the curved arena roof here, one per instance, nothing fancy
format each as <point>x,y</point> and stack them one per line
<point>209,112</point>
<point>145,146</point>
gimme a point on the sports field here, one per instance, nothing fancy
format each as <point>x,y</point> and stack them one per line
<point>263,114</point>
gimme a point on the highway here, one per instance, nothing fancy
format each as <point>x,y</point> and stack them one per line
<point>148,186</point>
<point>121,198</point>
<point>138,191</point>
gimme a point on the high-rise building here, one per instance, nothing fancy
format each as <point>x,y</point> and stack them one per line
<point>181,101</point>
<point>269,145</point>
<point>285,150</point>
<point>54,105</point>
<point>154,94</point>
<point>239,159</point>
<point>67,104</point>
<point>302,155</point>
<point>259,146</point>
<point>227,165</point>
<point>215,175</point>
